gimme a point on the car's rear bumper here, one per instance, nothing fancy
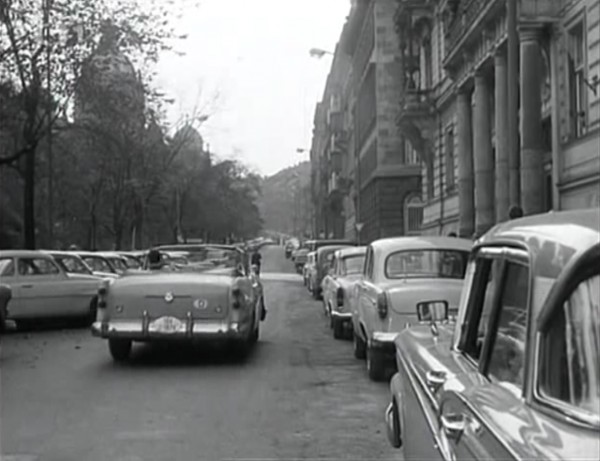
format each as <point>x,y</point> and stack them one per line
<point>342,316</point>
<point>383,342</point>
<point>138,330</point>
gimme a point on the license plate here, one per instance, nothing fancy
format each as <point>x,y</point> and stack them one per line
<point>166,325</point>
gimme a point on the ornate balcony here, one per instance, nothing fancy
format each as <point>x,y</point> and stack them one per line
<point>416,120</point>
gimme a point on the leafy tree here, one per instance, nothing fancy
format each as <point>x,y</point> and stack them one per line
<point>43,49</point>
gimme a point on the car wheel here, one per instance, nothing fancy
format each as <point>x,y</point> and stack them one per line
<point>119,348</point>
<point>375,364</point>
<point>338,329</point>
<point>360,348</point>
<point>93,312</point>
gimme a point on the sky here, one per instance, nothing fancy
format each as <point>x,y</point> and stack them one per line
<point>247,66</point>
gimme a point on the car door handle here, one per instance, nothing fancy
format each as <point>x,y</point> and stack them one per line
<point>26,286</point>
<point>453,425</point>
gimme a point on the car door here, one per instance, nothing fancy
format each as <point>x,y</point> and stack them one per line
<point>367,296</point>
<point>474,423</point>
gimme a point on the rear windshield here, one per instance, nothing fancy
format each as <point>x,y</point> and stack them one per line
<point>353,264</point>
<point>211,256</point>
<point>426,264</point>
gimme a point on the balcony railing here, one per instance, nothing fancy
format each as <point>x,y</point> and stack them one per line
<point>416,102</point>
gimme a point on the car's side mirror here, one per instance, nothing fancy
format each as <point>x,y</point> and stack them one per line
<point>432,311</point>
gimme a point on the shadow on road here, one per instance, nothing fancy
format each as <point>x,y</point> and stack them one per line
<point>180,355</point>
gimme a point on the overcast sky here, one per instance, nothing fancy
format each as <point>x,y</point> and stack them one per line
<point>247,65</point>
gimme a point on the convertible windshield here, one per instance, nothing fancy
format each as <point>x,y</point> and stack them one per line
<point>211,256</point>
<point>353,264</point>
<point>426,263</point>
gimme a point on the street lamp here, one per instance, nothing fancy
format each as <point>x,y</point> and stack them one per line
<point>318,53</point>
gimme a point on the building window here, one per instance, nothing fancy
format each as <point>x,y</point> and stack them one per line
<point>413,214</point>
<point>449,160</point>
<point>577,86</point>
<point>411,157</point>
<point>426,70</point>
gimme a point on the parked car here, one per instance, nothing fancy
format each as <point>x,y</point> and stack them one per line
<point>314,245</point>
<point>42,289</point>
<point>398,273</point>
<point>117,261</point>
<point>309,270</point>
<point>132,260</point>
<point>72,263</point>
<point>519,375</point>
<point>221,300</point>
<point>323,260</point>
<point>338,285</point>
<point>5,296</point>
<point>300,256</point>
<point>100,265</point>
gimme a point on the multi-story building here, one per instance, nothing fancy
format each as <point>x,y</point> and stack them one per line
<point>494,126</point>
<point>365,183</point>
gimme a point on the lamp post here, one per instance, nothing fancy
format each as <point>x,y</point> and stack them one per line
<point>318,53</point>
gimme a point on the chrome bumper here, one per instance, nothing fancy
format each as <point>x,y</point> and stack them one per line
<point>138,330</point>
<point>341,315</point>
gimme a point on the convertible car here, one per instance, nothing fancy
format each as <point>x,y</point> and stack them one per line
<point>218,296</point>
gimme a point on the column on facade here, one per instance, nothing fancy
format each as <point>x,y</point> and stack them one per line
<point>502,190</point>
<point>465,164</point>
<point>532,161</point>
<point>483,160</point>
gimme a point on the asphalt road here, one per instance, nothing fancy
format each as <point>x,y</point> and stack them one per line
<point>299,395</point>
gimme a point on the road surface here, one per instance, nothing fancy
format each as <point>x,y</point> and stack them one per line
<point>299,395</point>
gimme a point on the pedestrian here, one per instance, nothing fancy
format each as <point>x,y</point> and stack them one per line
<point>256,261</point>
<point>155,260</point>
<point>515,212</point>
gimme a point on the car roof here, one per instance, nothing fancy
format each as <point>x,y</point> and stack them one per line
<point>188,247</point>
<point>576,229</point>
<point>87,254</point>
<point>61,253</point>
<point>110,254</point>
<point>15,253</point>
<point>421,242</point>
<point>352,251</point>
<point>323,249</point>
<point>551,239</point>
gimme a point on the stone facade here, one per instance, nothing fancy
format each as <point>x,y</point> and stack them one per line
<point>483,147</point>
<point>373,177</point>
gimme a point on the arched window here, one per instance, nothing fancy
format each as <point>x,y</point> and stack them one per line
<point>413,215</point>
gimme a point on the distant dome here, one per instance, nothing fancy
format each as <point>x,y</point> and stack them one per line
<point>109,73</point>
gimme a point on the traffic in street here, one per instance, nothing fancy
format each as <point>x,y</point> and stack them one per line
<point>299,394</point>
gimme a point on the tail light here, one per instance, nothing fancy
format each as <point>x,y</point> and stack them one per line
<point>237,298</point>
<point>382,305</point>
<point>340,297</point>
<point>102,293</point>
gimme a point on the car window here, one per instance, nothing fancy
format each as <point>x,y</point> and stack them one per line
<point>426,263</point>
<point>352,264</point>
<point>37,266</point>
<point>507,356</point>
<point>368,267</point>
<point>480,305</point>
<point>98,264</point>
<point>570,350</point>
<point>118,263</point>
<point>7,267</point>
<point>72,264</point>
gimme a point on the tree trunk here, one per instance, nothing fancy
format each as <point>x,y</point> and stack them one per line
<point>29,200</point>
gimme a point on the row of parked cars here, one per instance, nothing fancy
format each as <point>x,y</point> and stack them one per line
<point>493,345</point>
<point>45,284</point>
